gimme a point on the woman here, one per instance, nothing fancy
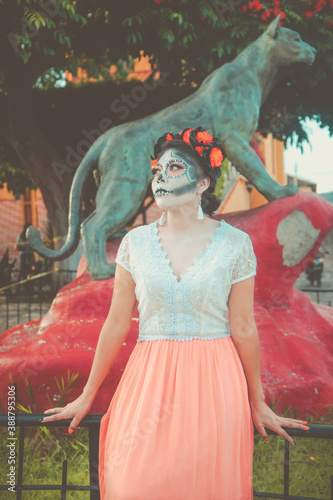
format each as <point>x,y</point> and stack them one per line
<point>180,424</point>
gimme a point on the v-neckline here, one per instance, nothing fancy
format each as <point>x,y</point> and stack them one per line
<point>196,260</point>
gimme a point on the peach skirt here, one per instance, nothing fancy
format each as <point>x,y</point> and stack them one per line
<point>179,425</point>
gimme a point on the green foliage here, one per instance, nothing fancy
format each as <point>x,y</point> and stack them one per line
<point>220,184</point>
<point>46,447</point>
<point>310,461</point>
<point>12,173</point>
<point>65,387</point>
<point>30,21</point>
<point>208,34</point>
<point>187,39</point>
<point>205,33</point>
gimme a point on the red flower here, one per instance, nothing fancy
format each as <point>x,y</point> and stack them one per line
<point>186,135</point>
<point>256,5</point>
<point>204,137</point>
<point>202,18</point>
<point>153,163</point>
<point>319,5</point>
<point>158,1</point>
<point>216,157</point>
<point>308,14</point>
<point>199,149</point>
<point>169,137</point>
<point>276,3</point>
<point>244,8</point>
<point>265,15</point>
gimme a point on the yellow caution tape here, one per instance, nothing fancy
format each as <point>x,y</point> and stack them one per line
<point>29,279</point>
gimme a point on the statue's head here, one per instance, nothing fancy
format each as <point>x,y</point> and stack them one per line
<point>286,46</point>
<point>185,168</point>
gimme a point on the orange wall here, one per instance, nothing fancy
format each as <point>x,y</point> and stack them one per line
<point>272,152</point>
<point>14,213</point>
<point>6,195</point>
<point>141,71</point>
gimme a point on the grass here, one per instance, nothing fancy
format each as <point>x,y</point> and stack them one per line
<point>311,460</point>
<point>310,466</point>
<point>44,450</point>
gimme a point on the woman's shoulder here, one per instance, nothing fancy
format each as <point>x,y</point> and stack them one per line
<point>236,234</point>
<point>140,231</point>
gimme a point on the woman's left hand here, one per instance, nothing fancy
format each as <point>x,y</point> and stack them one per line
<point>263,416</point>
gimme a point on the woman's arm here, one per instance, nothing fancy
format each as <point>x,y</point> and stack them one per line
<point>114,330</point>
<point>245,336</point>
<point>111,338</point>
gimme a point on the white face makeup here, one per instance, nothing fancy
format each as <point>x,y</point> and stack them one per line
<point>174,182</point>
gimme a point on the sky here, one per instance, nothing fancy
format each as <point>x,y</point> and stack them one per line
<point>316,164</point>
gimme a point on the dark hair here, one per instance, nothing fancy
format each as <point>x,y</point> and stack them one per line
<point>209,202</point>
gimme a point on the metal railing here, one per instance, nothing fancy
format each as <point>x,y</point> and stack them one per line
<point>317,291</point>
<point>316,432</point>
<point>25,300</point>
<point>92,421</point>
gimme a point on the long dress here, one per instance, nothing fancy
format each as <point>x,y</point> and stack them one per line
<point>179,424</point>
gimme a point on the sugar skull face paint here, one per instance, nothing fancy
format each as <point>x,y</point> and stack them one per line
<point>174,182</point>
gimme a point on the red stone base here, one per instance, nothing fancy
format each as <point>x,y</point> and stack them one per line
<point>296,335</point>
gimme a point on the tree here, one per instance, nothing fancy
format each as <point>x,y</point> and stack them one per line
<point>195,37</point>
<point>185,38</point>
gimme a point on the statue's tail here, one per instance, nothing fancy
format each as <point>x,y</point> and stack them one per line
<point>75,198</point>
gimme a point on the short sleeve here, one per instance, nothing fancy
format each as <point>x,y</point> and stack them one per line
<point>123,254</point>
<point>246,263</point>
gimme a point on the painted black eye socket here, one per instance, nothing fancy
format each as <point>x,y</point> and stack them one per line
<point>156,171</point>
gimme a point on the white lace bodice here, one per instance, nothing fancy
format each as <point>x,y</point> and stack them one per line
<point>196,307</point>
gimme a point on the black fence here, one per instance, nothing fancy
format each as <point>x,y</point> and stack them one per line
<point>20,299</point>
<point>19,305</point>
<point>92,421</point>
<point>318,291</point>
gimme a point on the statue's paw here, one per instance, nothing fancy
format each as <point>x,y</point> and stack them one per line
<point>290,189</point>
<point>283,191</point>
<point>103,272</point>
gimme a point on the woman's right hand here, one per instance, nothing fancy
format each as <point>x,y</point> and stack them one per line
<point>77,410</point>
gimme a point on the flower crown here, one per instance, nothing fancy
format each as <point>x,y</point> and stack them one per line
<point>207,146</point>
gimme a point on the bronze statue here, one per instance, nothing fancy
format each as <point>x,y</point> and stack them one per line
<point>227,104</point>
